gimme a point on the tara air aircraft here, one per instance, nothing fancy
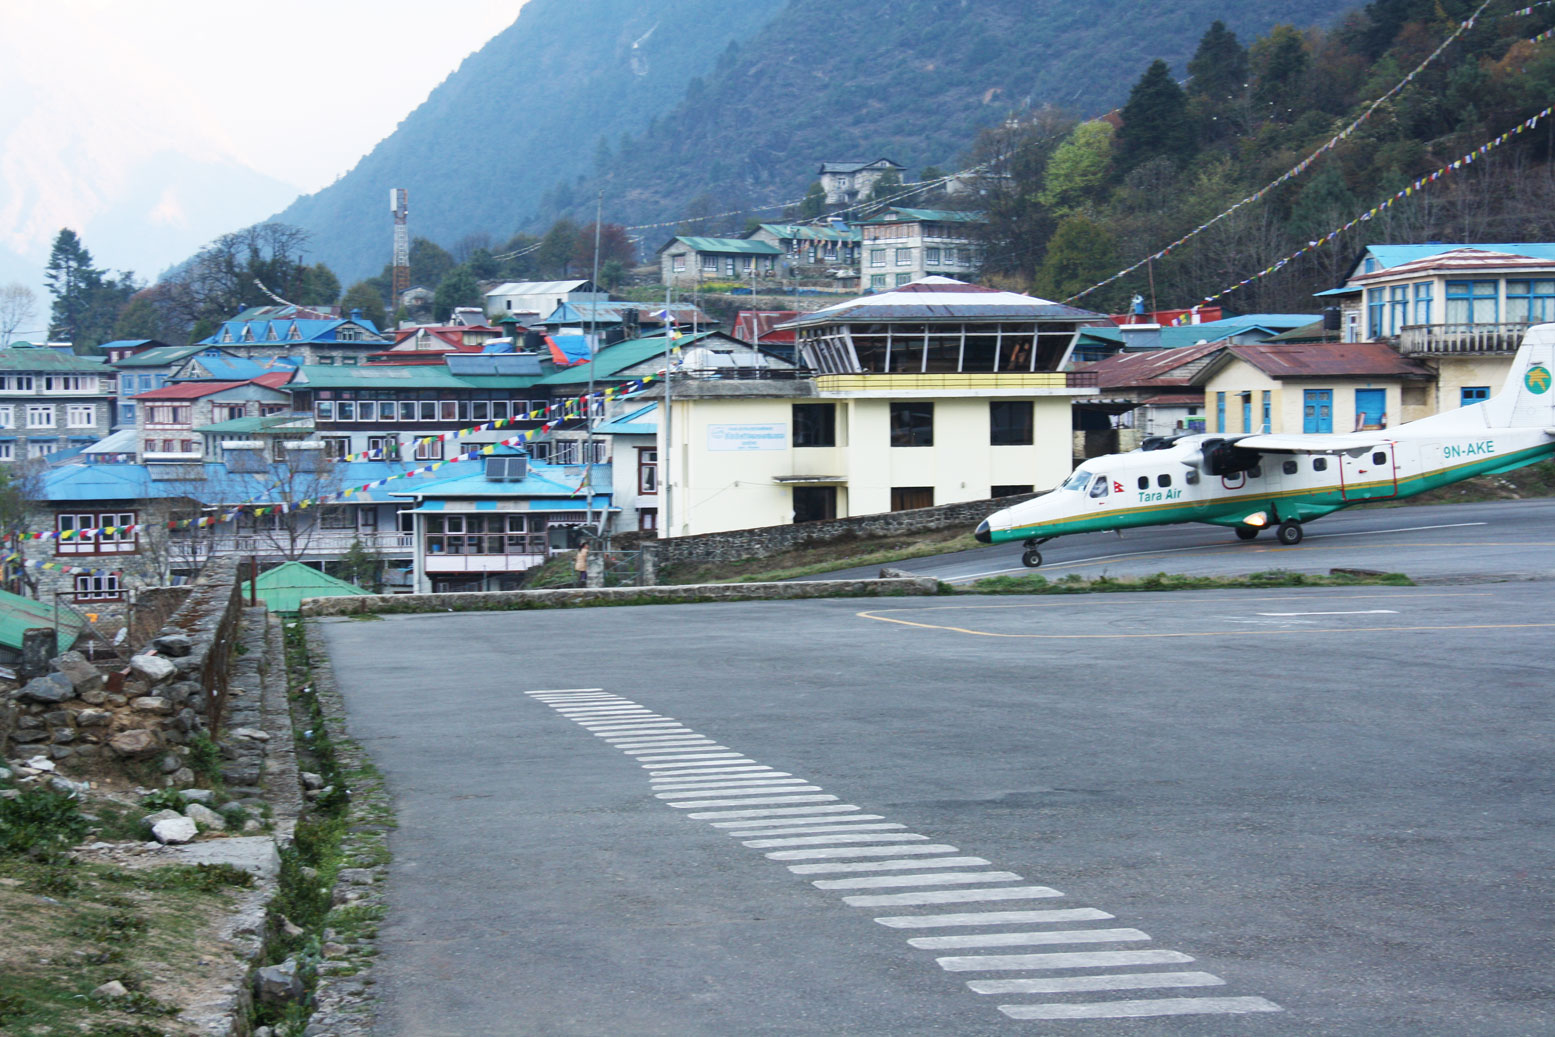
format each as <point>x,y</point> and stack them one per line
<point>1254,482</point>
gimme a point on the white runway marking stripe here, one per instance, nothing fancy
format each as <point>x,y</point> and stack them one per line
<point>737,792</point>
<point>1077,960</point>
<point>833,853</point>
<point>892,865</point>
<point>772,800</point>
<point>954,896</point>
<point>887,826</point>
<point>565,691</point>
<point>817,840</point>
<point>945,943</point>
<point>1351,612</point>
<point>1073,914</point>
<point>687,772</point>
<point>946,879</point>
<point>693,764</point>
<point>839,808</point>
<point>1108,981</point>
<point>1143,1009</point>
<point>735,784</point>
<point>798,821</point>
<point>882,864</point>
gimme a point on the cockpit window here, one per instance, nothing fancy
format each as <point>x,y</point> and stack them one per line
<point>1099,487</point>
<point>1078,480</point>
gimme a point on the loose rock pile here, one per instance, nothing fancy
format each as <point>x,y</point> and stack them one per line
<point>72,718</point>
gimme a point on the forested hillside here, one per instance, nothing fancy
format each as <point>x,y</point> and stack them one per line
<point>911,80</point>
<point>700,103</point>
<point>1083,201</point>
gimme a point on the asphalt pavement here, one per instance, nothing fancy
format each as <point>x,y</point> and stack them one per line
<point>1442,541</point>
<point>1284,812</point>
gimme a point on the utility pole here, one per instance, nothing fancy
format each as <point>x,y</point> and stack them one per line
<point>669,428</point>
<point>399,206</point>
<point>588,403</point>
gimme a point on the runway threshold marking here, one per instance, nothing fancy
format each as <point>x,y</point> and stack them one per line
<point>827,832</point>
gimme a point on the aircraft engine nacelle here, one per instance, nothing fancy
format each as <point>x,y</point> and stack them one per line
<point>1226,458</point>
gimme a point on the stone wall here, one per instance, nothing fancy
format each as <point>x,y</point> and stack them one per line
<point>764,541</point>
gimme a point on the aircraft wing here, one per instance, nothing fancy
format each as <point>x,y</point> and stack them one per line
<point>1310,444</point>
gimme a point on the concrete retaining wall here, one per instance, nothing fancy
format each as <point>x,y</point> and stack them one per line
<point>585,597</point>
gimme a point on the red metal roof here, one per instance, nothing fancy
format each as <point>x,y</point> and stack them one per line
<point>1158,367</point>
<point>273,379</point>
<point>190,390</point>
<point>1329,360</point>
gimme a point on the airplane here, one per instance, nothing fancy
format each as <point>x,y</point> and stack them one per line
<point>1257,481</point>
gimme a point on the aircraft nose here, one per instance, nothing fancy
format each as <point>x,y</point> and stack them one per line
<point>982,534</point>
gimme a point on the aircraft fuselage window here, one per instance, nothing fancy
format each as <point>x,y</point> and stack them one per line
<point>1144,482</point>
<point>1078,480</point>
<point>1289,467</point>
<point>1320,464</point>
<point>1163,480</point>
<point>1255,472</point>
<point>1099,487</point>
<point>1379,458</point>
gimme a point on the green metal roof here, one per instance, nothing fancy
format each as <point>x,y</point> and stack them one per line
<point>610,361</point>
<point>160,356</point>
<point>744,246</point>
<point>284,587</point>
<point>31,358</point>
<point>416,376</point>
<point>805,233</point>
<point>936,215</point>
<point>19,614</point>
<point>297,422</point>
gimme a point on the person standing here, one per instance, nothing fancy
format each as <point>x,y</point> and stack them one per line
<point>580,566</point>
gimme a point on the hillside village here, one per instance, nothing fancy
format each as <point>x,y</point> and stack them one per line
<point>460,456</point>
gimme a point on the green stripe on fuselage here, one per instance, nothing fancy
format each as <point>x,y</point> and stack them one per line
<point>1312,502</point>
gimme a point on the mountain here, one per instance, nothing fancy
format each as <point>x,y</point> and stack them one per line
<point>660,102</point>
<point>525,112</point>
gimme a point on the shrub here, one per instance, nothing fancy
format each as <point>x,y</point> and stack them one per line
<point>39,820</point>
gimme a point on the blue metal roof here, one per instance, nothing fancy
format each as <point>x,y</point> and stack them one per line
<point>228,368</point>
<point>1394,255</point>
<point>641,422</point>
<point>543,480</point>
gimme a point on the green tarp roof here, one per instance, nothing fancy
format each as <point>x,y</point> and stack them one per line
<point>284,587</point>
<point>19,614</point>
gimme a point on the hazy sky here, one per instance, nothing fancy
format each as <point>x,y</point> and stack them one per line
<point>298,89</point>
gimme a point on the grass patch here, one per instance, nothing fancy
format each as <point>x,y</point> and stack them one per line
<point>100,923</point>
<point>1074,583</point>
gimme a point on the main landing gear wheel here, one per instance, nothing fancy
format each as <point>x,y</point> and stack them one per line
<point>1290,532</point>
<point>1031,558</point>
<point>1246,532</point>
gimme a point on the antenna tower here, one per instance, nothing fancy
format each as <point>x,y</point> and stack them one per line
<point>400,207</point>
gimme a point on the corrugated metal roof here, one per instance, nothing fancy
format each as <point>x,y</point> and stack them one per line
<point>1320,360</point>
<point>611,360</point>
<point>1152,367</point>
<point>1460,260</point>
<point>224,368</point>
<point>536,287</point>
<point>739,246</point>
<point>523,365</point>
<point>19,614</point>
<point>34,358</point>
<point>430,376</point>
<point>544,481</point>
<point>1396,255</point>
<point>161,356</point>
<point>284,587</point>
<point>120,442</point>
<point>640,422</point>
<point>297,422</point>
<point>941,298</point>
<point>187,390</point>
<point>807,233</point>
<point>928,216</point>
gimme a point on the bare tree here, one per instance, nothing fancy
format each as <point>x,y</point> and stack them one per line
<point>21,487</point>
<point>18,305</point>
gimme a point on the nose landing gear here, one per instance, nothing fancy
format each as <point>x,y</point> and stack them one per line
<point>1032,558</point>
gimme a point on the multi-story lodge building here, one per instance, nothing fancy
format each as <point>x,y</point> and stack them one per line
<point>52,401</point>
<point>906,245</point>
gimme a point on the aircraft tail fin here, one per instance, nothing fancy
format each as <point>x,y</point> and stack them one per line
<point>1527,400</point>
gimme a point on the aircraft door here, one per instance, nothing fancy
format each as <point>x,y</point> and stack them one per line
<point>1369,474</point>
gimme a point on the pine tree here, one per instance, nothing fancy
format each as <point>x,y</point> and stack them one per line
<point>1155,120</point>
<point>1218,69</point>
<point>72,281</point>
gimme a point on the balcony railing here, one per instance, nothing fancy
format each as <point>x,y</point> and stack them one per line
<point>1456,339</point>
<point>324,543</point>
